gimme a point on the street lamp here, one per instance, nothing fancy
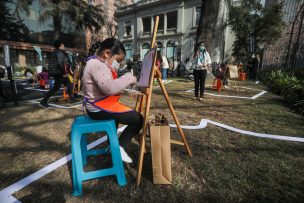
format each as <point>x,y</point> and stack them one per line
<point>174,47</point>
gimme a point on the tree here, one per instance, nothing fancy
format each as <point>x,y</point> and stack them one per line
<point>85,16</point>
<point>57,10</point>
<point>251,18</point>
<point>207,22</point>
<point>90,18</point>
<point>11,28</point>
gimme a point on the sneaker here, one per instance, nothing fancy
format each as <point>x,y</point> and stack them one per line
<point>44,104</point>
<point>201,99</point>
<point>124,156</point>
<point>195,98</point>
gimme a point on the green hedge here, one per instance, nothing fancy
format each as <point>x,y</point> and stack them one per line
<point>288,84</point>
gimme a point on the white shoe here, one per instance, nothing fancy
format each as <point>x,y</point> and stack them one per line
<point>124,156</point>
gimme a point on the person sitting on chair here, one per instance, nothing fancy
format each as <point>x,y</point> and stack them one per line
<point>101,88</point>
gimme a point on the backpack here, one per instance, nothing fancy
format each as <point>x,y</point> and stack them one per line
<point>53,68</point>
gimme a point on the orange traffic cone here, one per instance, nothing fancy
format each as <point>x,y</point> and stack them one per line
<point>65,95</point>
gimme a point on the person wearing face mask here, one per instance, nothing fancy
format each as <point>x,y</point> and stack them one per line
<point>202,61</point>
<point>101,88</point>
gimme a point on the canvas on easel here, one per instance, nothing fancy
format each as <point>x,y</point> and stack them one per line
<point>146,69</point>
<point>233,73</point>
<point>144,102</point>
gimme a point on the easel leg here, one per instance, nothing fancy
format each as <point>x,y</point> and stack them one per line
<point>143,139</point>
<point>237,90</point>
<point>174,116</point>
<point>138,101</point>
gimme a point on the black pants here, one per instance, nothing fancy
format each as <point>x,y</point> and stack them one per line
<point>56,87</point>
<point>255,74</point>
<point>199,82</point>
<point>133,119</point>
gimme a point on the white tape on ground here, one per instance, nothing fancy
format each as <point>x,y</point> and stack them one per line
<point>204,123</point>
<point>37,89</point>
<point>59,106</point>
<point>258,95</point>
<point>165,82</point>
<point>228,96</point>
<point>6,194</point>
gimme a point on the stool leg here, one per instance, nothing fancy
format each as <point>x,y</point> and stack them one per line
<point>77,163</point>
<point>84,149</point>
<point>116,156</point>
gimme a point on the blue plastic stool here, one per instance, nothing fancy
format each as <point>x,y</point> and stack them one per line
<point>81,125</point>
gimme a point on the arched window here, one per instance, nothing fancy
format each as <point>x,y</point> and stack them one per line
<point>128,48</point>
<point>170,49</point>
<point>145,48</point>
<point>160,47</point>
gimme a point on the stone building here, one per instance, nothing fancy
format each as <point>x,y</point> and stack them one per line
<point>22,51</point>
<point>177,28</point>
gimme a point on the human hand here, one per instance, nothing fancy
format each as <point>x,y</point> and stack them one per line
<point>131,78</point>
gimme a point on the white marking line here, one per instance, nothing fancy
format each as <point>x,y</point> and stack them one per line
<point>166,82</point>
<point>228,96</point>
<point>37,101</point>
<point>248,88</point>
<point>204,123</point>
<point>5,194</point>
<point>40,90</point>
<point>258,95</point>
<point>58,106</point>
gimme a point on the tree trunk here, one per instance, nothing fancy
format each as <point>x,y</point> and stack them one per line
<point>207,23</point>
<point>88,39</point>
<point>57,26</point>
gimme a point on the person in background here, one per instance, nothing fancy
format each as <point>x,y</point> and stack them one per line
<point>137,64</point>
<point>101,88</point>
<point>28,73</point>
<point>159,60</point>
<point>44,78</point>
<point>164,67</point>
<point>255,66</point>
<point>181,68</point>
<point>202,62</point>
<point>130,66</point>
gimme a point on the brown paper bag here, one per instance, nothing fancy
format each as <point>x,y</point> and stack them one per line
<point>161,150</point>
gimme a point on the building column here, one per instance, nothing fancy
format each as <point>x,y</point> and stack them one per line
<point>165,23</point>
<point>152,26</point>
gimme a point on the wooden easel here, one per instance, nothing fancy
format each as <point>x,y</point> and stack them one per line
<point>76,81</point>
<point>144,103</point>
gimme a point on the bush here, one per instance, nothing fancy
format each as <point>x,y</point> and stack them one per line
<point>286,84</point>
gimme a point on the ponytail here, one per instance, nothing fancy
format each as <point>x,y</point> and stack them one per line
<point>114,45</point>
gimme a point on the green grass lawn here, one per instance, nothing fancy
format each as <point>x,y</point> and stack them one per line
<point>225,167</point>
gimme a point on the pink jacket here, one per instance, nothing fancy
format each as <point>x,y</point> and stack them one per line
<point>98,82</point>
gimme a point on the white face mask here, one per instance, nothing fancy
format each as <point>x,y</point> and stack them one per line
<point>115,65</point>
